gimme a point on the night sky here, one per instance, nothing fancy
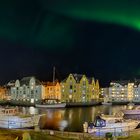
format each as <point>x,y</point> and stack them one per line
<point>99,38</point>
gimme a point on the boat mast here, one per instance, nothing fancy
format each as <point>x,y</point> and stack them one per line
<point>53,82</point>
<point>53,75</point>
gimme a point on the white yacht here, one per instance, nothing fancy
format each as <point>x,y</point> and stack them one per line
<point>11,118</point>
<point>110,124</point>
<point>133,111</point>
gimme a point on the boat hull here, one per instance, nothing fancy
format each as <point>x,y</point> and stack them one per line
<point>119,127</point>
<point>131,112</point>
<point>61,105</point>
<point>19,121</point>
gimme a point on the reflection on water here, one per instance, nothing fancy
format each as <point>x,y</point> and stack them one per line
<point>30,110</point>
<point>70,119</point>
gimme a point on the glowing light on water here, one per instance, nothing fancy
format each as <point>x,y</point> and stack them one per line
<point>63,124</point>
<point>33,110</point>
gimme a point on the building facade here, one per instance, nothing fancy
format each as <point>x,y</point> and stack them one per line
<point>28,89</point>
<point>104,94</point>
<point>53,91</point>
<point>79,88</point>
<point>122,91</point>
<point>3,93</point>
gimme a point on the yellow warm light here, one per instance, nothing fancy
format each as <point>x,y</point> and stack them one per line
<point>70,96</point>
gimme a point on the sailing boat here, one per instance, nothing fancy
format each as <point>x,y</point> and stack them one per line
<point>54,104</point>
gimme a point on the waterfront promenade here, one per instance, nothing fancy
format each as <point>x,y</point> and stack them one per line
<point>6,134</point>
<point>36,134</point>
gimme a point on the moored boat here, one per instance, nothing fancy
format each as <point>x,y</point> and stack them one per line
<point>110,117</point>
<point>10,117</point>
<point>110,124</point>
<point>53,105</point>
<point>133,111</point>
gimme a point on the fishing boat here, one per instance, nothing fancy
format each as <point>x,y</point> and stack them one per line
<point>10,118</point>
<point>110,124</point>
<point>133,111</point>
<point>52,105</point>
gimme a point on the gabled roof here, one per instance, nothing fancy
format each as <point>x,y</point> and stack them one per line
<point>121,82</point>
<point>26,81</point>
<point>63,81</point>
<point>51,83</point>
<point>77,77</point>
<point>137,81</point>
<point>90,80</point>
<point>125,82</point>
<point>11,83</point>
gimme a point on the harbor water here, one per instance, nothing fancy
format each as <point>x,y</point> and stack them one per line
<point>72,119</point>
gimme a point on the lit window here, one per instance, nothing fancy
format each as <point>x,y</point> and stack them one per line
<point>32,100</point>
<point>70,96</point>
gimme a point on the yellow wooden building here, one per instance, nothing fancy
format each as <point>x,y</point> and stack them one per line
<point>79,88</point>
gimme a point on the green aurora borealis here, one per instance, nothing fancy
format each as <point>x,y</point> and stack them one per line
<point>92,37</point>
<point>42,22</point>
<point>124,12</point>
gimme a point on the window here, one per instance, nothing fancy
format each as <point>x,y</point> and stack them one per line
<point>32,94</point>
<point>84,82</point>
<point>70,86</point>
<point>23,92</point>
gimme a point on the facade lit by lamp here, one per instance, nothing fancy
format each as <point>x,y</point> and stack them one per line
<point>125,91</point>
<point>27,89</point>
<point>52,90</point>
<point>79,88</point>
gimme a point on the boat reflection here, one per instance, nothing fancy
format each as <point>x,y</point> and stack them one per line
<point>31,110</point>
